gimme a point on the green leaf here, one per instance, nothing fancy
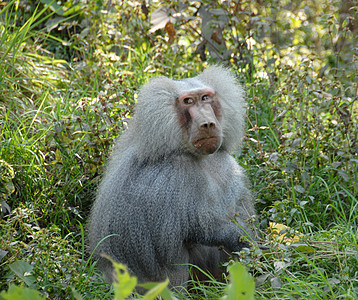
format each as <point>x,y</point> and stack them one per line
<point>345,22</point>
<point>241,286</point>
<point>304,249</point>
<point>53,6</point>
<point>72,10</point>
<point>23,270</point>
<point>126,283</point>
<point>157,289</point>
<point>21,293</point>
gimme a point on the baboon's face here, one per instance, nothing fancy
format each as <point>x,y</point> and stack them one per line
<point>199,114</point>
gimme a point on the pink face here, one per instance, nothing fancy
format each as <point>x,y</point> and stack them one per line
<point>199,114</point>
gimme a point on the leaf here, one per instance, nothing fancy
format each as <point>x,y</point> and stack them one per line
<point>159,19</point>
<point>280,232</point>
<point>241,286</point>
<point>253,140</point>
<point>215,36</point>
<point>171,31</point>
<point>23,270</point>
<point>3,254</point>
<point>260,280</point>
<point>344,175</point>
<point>303,248</point>
<point>58,156</point>
<point>157,289</point>
<point>6,170</point>
<point>20,293</point>
<point>4,207</point>
<point>72,10</point>
<point>345,22</point>
<point>280,265</point>
<point>276,282</point>
<point>53,6</point>
<point>125,283</point>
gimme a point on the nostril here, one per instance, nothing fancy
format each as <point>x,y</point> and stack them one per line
<point>209,125</point>
<point>204,126</point>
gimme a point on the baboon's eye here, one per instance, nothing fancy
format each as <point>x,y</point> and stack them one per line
<point>188,101</point>
<point>205,98</point>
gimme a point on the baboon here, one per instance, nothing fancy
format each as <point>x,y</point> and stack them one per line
<point>172,194</point>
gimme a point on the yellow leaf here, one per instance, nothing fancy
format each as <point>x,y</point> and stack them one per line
<point>281,233</point>
<point>58,156</point>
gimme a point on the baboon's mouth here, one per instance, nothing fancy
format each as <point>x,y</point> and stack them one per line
<point>207,145</point>
<point>206,139</point>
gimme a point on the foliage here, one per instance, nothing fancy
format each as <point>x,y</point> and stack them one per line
<point>242,285</point>
<point>20,293</point>
<point>50,262</point>
<point>69,77</point>
<point>127,283</point>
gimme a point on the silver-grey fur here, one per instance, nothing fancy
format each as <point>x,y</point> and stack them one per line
<point>166,206</point>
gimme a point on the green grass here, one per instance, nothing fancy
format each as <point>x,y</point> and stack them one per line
<point>67,92</point>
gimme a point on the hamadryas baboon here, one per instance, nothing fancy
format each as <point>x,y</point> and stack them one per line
<point>171,189</point>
